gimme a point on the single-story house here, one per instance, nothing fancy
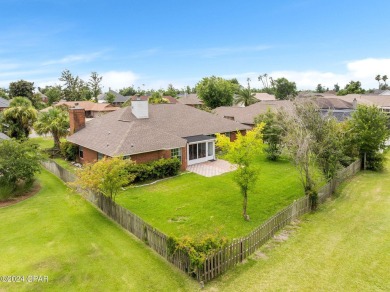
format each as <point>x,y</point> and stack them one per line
<point>4,136</point>
<point>247,115</point>
<point>145,132</point>
<point>337,107</point>
<point>4,104</point>
<point>263,96</point>
<point>92,109</point>
<point>118,101</point>
<point>190,99</point>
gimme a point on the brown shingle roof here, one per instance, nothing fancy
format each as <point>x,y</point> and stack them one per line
<point>89,105</point>
<point>121,133</point>
<point>190,99</point>
<point>246,115</point>
<point>264,96</point>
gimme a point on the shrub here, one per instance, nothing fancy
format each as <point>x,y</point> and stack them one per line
<point>154,170</point>
<point>69,150</point>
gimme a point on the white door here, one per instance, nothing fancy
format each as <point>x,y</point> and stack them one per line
<point>198,152</point>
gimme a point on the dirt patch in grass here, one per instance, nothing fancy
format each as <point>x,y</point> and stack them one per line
<point>28,194</point>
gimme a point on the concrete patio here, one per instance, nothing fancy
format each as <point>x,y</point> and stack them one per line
<point>212,168</point>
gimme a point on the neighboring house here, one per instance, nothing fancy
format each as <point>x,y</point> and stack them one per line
<point>43,97</point>
<point>247,115</point>
<point>190,99</point>
<point>337,107</point>
<point>145,132</point>
<point>92,109</point>
<point>118,101</point>
<point>263,96</point>
<point>170,99</point>
<point>4,137</point>
<point>385,92</point>
<point>4,104</point>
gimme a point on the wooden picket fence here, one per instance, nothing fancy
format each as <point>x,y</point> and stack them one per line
<point>218,261</point>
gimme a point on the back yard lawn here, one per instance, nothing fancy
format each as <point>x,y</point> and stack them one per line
<point>194,205</point>
<point>58,234</point>
<point>345,246</point>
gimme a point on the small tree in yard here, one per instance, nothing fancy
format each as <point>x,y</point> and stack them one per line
<point>272,134</point>
<point>19,161</point>
<point>368,132</point>
<point>106,176</point>
<point>243,152</point>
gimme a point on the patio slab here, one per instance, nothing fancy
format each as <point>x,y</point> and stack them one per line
<point>212,168</point>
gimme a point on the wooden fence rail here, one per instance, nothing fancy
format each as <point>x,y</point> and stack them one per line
<point>223,259</point>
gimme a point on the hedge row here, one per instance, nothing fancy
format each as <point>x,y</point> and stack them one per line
<point>154,170</point>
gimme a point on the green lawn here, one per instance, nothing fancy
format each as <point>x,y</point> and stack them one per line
<point>343,247</point>
<point>58,234</point>
<point>194,205</point>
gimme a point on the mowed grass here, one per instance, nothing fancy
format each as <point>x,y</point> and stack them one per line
<point>193,205</point>
<point>345,246</point>
<point>58,234</point>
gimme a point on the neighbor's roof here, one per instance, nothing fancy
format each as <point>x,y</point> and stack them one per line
<point>333,103</point>
<point>4,102</point>
<point>170,99</point>
<point>89,105</point>
<point>118,97</point>
<point>121,133</point>
<point>4,136</point>
<point>246,115</point>
<point>190,99</point>
<point>264,96</point>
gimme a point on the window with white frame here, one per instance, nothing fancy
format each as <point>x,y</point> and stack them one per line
<point>176,153</point>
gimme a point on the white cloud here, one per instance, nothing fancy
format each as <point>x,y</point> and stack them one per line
<point>117,79</point>
<point>363,70</point>
<point>74,59</point>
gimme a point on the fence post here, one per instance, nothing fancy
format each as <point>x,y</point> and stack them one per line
<point>294,210</point>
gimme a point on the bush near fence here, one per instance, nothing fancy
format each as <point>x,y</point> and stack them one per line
<point>218,261</point>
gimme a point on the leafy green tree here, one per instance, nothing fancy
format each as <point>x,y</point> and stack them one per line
<point>21,88</point>
<point>320,88</point>
<point>272,134</point>
<point>156,97</point>
<point>336,87</point>
<point>243,152</point>
<point>74,87</point>
<point>369,132</point>
<point>110,97</point>
<point>106,176</point>
<point>19,161</point>
<point>353,87</point>
<point>384,78</point>
<point>171,91</point>
<point>284,89</point>
<point>94,84</point>
<point>18,119</point>
<point>53,93</point>
<point>128,91</point>
<point>4,93</point>
<point>215,91</point>
<point>56,122</point>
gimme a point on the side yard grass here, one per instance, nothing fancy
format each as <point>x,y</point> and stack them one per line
<point>194,205</point>
<point>345,246</point>
<point>58,234</point>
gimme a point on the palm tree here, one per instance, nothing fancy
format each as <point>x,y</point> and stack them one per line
<point>54,121</point>
<point>378,78</point>
<point>384,78</point>
<point>245,96</point>
<point>18,119</point>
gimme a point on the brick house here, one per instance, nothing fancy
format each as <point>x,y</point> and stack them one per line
<point>145,132</point>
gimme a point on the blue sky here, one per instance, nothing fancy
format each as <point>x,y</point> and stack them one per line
<point>153,43</point>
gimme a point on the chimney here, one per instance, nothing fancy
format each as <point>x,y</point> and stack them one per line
<point>354,103</point>
<point>140,107</point>
<point>76,119</point>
